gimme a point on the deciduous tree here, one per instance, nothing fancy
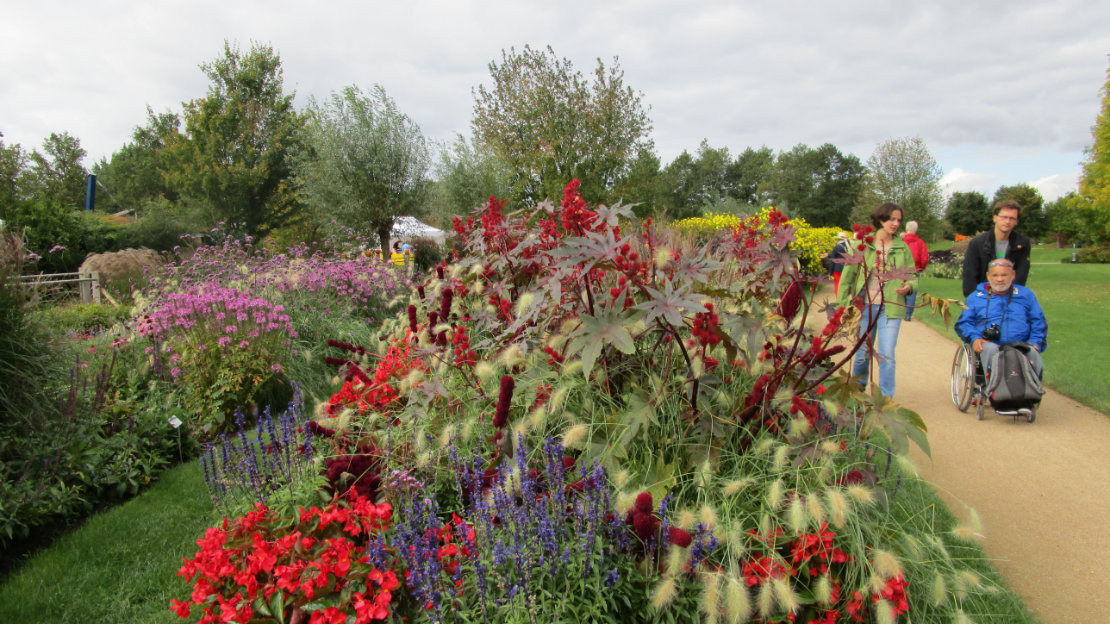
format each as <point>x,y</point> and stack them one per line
<point>1092,203</point>
<point>551,125</point>
<point>139,173</point>
<point>239,140</point>
<point>364,163</point>
<point>968,213</point>
<point>820,185</point>
<point>904,172</point>
<point>57,176</point>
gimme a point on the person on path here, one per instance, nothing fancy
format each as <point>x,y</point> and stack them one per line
<point>1000,312</point>
<point>1000,242</point>
<point>920,253</point>
<point>881,297</point>
<point>839,250</point>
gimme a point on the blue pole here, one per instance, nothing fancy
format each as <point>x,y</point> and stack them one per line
<point>90,192</point>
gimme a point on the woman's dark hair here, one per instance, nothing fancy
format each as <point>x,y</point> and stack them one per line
<point>882,214</point>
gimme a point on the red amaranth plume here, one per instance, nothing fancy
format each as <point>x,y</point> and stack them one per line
<point>439,272</point>
<point>678,537</point>
<point>644,502</point>
<point>791,299</point>
<point>445,304</point>
<point>420,291</point>
<point>412,318</point>
<point>504,399</point>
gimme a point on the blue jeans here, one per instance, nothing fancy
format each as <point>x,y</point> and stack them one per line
<point>911,301</point>
<point>883,336</point>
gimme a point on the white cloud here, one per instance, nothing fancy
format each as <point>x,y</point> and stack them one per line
<point>1056,186</point>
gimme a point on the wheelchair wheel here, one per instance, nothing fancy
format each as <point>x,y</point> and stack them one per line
<point>963,377</point>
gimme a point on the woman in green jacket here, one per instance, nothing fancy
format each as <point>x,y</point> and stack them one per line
<point>882,299</point>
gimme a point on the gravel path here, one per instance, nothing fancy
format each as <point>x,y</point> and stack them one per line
<point>1042,490</point>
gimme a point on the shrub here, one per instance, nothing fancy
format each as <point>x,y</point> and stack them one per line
<point>945,264</point>
<point>808,241</point>
<point>1093,255</point>
<point>426,253</point>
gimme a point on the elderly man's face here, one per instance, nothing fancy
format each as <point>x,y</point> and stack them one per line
<point>1001,278</point>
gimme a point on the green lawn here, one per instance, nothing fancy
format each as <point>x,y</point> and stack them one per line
<point>120,565</point>
<point>1073,297</point>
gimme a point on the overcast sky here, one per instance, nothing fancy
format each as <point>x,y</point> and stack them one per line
<point>1001,92</point>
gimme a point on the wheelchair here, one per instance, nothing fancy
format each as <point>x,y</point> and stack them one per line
<point>969,383</point>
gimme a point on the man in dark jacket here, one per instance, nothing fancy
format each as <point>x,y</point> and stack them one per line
<point>1000,242</point>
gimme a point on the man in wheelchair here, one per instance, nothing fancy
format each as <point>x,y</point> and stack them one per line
<point>1000,312</point>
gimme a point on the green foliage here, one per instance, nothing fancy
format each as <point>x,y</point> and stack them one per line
<point>25,364</point>
<point>1093,255</point>
<point>235,155</point>
<point>1092,203</point>
<point>644,186</point>
<point>549,124</point>
<point>1033,222</point>
<point>426,253</point>
<point>969,213</point>
<point>467,176</point>
<point>57,176</point>
<point>82,318</point>
<point>904,172</point>
<point>364,162</point>
<point>819,185</point>
<point>137,176</point>
<point>97,437</point>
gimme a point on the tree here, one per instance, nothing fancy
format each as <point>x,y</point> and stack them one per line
<point>139,173</point>
<point>13,164</point>
<point>364,162</point>
<point>643,185</point>
<point>466,177</point>
<point>752,168</point>
<point>904,172</point>
<point>968,213</point>
<point>820,185</point>
<point>1092,203</point>
<point>1033,222</point>
<point>238,142</point>
<point>57,176</point>
<point>550,125</point>
<point>1065,221</point>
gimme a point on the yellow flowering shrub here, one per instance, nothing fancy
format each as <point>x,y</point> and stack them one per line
<point>810,242</point>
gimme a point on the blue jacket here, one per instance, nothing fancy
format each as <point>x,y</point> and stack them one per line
<point>1018,315</point>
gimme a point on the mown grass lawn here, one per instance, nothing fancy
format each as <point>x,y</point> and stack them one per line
<point>1074,297</point>
<point>120,565</point>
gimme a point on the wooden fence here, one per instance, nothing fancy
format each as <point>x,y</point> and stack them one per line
<point>88,284</point>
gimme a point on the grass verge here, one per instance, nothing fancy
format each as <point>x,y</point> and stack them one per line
<point>120,565</point>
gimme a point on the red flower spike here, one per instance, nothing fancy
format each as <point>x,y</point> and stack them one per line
<point>504,400</point>
<point>644,503</point>
<point>678,537</point>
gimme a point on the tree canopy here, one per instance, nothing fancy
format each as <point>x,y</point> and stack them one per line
<point>364,161</point>
<point>968,212</point>
<point>819,185</point>
<point>1092,203</point>
<point>550,124</point>
<point>904,172</point>
<point>238,142</point>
